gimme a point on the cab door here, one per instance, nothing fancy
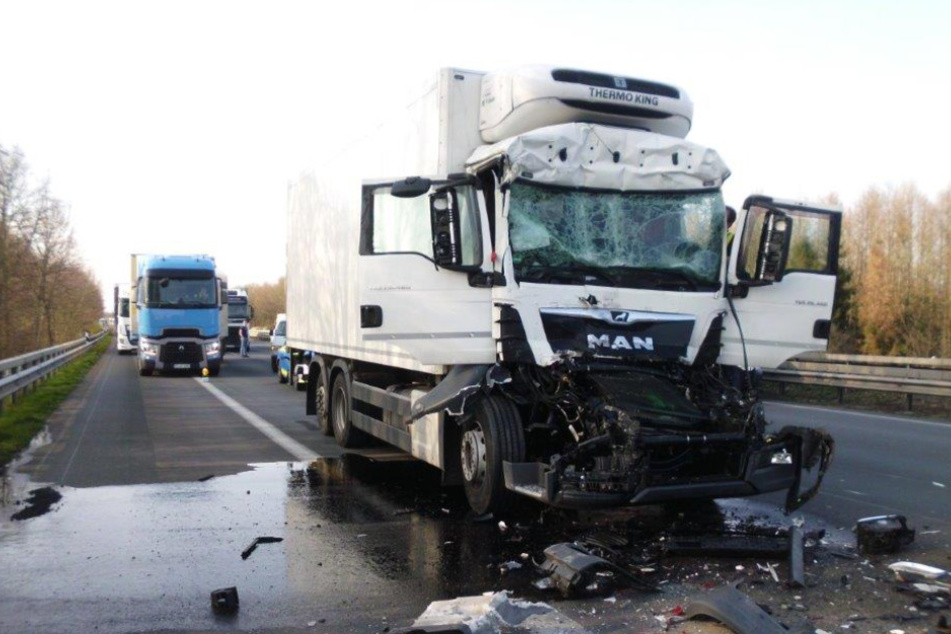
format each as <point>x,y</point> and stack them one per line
<point>430,306</point>
<point>781,277</point>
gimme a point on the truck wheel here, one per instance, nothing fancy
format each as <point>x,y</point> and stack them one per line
<point>145,372</point>
<point>273,363</point>
<point>323,419</point>
<point>346,434</point>
<point>493,436</point>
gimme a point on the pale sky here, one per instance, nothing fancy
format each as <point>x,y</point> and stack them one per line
<point>176,126</point>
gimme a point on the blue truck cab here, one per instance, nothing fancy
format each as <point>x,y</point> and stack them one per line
<point>178,313</point>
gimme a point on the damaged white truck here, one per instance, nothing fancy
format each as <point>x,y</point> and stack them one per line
<point>527,280</point>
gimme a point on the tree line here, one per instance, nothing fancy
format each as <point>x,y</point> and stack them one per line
<point>47,295</point>
<point>268,300</point>
<point>894,293</point>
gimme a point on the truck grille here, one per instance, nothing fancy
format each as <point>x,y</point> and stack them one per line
<point>181,332</point>
<point>184,352</point>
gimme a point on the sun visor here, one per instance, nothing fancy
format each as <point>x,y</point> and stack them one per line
<point>603,157</point>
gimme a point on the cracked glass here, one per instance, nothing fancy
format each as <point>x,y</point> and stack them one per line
<point>665,240</point>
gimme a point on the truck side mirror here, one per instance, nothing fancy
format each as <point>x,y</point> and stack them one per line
<point>446,239</point>
<point>773,247</point>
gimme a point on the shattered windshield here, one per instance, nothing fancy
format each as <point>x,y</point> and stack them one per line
<point>662,240</point>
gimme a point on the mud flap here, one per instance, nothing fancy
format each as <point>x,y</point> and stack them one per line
<point>810,449</point>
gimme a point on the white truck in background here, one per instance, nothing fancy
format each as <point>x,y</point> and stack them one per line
<point>525,280</point>
<point>126,341</point>
<point>278,338</point>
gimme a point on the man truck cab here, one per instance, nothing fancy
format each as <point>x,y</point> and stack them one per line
<point>542,302</point>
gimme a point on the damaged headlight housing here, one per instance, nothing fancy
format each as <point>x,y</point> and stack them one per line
<point>781,457</point>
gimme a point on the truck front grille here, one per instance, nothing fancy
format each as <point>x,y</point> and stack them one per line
<point>184,352</point>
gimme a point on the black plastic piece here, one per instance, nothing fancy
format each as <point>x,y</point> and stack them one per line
<point>736,611</point>
<point>371,316</point>
<point>821,329</point>
<point>797,570</point>
<point>224,600</point>
<point>883,534</point>
<point>259,540</point>
<point>574,571</point>
<point>512,338</point>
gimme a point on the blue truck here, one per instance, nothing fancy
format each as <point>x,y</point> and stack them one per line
<point>180,313</point>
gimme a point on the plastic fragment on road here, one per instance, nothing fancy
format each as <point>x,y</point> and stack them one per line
<point>911,572</point>
<point>735,610</point>
<point>575,571</point>
<point>259,540</point>
<point>224,600</point>
<point>883,534</point>
<point>797,572</point>
<point>492,613</point>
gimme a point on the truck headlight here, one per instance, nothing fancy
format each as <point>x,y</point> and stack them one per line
<point>148,349</point>
<point>213,348</point>
<point>781,457</point>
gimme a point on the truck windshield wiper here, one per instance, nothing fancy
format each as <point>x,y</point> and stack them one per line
<point>569,273</point>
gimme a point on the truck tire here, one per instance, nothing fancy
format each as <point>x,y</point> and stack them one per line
<point>346,434</point>
<point>323,416</point>
<point>145,372</point>
<point>494,435</point>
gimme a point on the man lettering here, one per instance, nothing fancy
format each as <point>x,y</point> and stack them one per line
<point>595,341</point>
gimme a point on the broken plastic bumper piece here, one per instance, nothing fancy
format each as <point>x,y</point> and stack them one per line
<point>798,450</point>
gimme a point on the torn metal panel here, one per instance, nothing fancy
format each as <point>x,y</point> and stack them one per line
<point>451,393</point>
<point>735,610</point>
<point>492,614</point>
<point>603,157</point>
<point>810,449</point>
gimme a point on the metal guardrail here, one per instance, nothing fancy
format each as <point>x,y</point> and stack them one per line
<point>18,374</point>
<point>902,375</point>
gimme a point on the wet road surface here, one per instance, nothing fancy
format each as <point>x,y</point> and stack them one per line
<point>137,543</point>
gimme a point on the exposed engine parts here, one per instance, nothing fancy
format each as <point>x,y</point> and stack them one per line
<point>609,435</point>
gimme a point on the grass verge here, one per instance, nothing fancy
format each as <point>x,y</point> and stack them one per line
<point>20,422</point>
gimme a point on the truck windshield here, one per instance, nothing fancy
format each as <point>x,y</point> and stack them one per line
<point>281,329</point>
<point>656,240</point>
<point>170,292</point>
<point>124,307</point>
<point>239,311</point>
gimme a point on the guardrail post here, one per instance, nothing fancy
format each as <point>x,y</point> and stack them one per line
<point>909,400</point>
<point>840,397</point>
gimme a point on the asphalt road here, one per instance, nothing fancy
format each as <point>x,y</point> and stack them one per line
<point>137,541</point>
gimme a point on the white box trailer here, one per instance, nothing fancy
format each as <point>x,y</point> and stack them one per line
<point>556,313</point>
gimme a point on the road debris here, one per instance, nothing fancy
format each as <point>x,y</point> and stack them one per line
<point>735,610</point>
<point>797,573</point>
<point>492,614</point>
<point>206,478</point>
<point>259,540</point>
<point>883,534</point>
<point>225,600</point>
<point>38,503</point>
<point>576,572</point>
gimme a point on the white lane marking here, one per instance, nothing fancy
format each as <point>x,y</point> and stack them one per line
<point>848,412</point>
<point>288,444</point>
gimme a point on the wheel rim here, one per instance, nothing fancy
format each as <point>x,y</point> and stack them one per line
<point>473,455</point>
<point>320,400</point>
<point>340,412</point>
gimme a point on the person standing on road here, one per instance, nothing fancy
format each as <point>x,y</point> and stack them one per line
<point>245,341</point>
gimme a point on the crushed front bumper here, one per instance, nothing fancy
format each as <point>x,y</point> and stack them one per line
<point>778,465</point>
